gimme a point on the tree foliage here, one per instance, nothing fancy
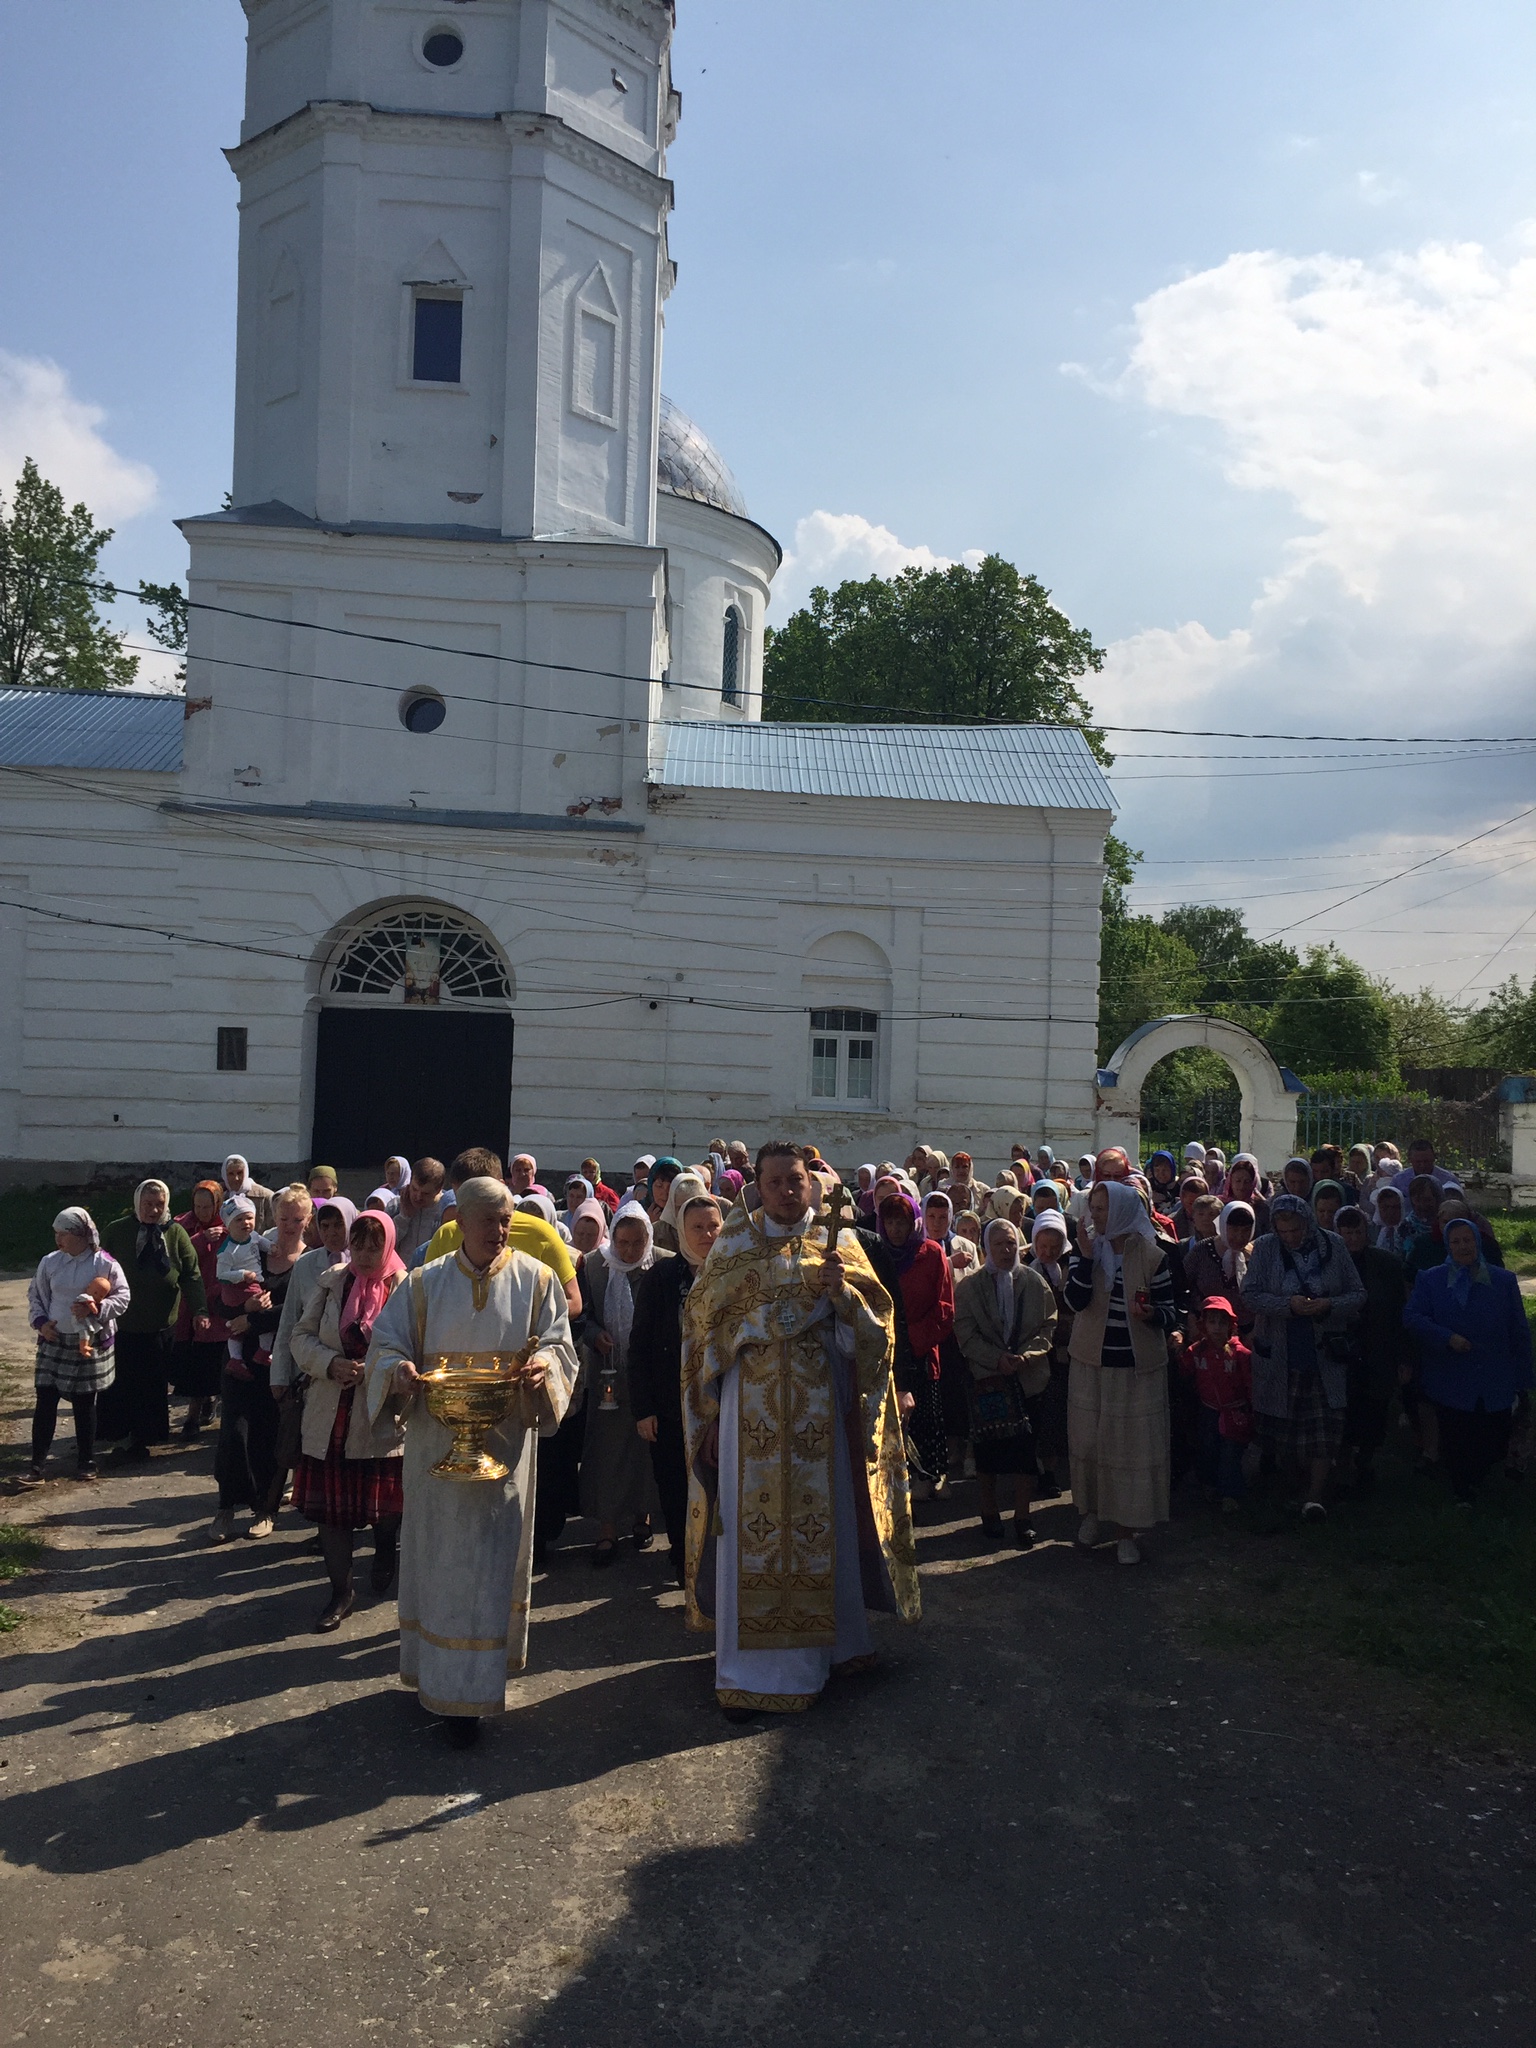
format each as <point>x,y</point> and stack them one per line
<point>1503,1031</point>
<point>51,634</point>
<point>956,643</point>
<point>1331,1016</point>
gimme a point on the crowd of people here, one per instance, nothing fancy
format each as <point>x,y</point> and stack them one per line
<point>1107,1330</point>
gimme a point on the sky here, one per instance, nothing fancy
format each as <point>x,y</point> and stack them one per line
<point>1221,320</point>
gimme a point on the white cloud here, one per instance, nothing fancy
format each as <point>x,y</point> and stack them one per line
<point>1393,404</point>
<point>837,547</point>
<point>40,416</point>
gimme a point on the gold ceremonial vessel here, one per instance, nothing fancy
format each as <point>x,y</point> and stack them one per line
<point>471,1392</point>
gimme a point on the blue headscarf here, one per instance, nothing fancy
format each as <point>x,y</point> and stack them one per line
<point>1460,1280</point>
<point>1171,1185</point>
<point>1306,1260</point>
<point>668,1169</point>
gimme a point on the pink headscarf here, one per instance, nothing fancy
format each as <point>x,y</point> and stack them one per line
<point>370,1291</point>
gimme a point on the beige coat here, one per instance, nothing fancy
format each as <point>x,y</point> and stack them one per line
<point>1148,1342</point>
<point>315,1341</point>
<point>980,1334</point>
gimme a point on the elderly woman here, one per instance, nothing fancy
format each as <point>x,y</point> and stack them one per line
<point>1050,1251</point>
<point>1378,1346</point>
<point>162,1268</point>
<point>1327,1201</point>
<point>558,1494</point>
<point>73,1303</point>
<point>247,1457</point>
<point>1163,1177</point>
<point>1306,1294</point>
<point>1475,1354</point>
<point>1121,1294</point>
<point>684,1188</point>
<point>1296,1178</point>
<point>1005,1315</point>
<point>349,1474</point>
<point>922,1273</point>
<point>236,1173</point>
<point>617,1484</point>
<point>656,1365</point>
<point>1245,1183</point>
<point>199,1348</point>
<point>658,1186</point>
<point>1389,1216</point>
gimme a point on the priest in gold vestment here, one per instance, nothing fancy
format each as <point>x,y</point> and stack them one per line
<point>799,1516</point>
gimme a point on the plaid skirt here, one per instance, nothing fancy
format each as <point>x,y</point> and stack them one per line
<point>348,1493</point>
<point>1310,1430</point>
<point>60,1365</point>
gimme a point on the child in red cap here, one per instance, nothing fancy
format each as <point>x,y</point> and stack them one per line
<point>1222,1370</point>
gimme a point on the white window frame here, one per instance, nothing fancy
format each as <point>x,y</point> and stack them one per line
<point>854,1026</point>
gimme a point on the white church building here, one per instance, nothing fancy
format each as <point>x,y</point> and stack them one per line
<point>469,829</point>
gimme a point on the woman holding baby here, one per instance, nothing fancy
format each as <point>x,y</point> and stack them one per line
<point>73,1303</point>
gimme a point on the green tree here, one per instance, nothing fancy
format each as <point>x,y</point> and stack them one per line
<point>1239,971</point>
<point>1331,1018</point>
<point>1503,1031</point>
<point>952,643</point>
<point>1427,1031</point>
<point>51,635</point>
<point>165,610</point>
<point>1144,972</point>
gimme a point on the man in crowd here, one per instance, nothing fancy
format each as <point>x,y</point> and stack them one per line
<point>527,1233</point>
<point>421,1208</point>
<point>1421,1165</point>
<point>790,1542</point>
<point>466,1551</point>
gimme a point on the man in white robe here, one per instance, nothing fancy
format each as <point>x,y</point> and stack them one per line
<point>466,1546</point>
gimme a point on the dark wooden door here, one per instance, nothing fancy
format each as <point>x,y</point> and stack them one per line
<point>413,1081</point>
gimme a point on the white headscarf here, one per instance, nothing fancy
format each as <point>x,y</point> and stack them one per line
<point>686,1188</point>
<point>1003,1277</point>
<point>1233,1262</point>
<point>1054,1224</point>
<point>237,1159</point>
<point>1127,1218</point>
<point>80,1223</point>
<point>618,1295</point>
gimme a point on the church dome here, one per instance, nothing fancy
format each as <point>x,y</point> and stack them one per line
<point>688,464</point>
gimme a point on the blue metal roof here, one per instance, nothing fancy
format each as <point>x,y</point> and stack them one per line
<point>90,729</point>
<point>1014,765</point>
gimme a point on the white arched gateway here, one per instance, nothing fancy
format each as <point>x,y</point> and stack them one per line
<point>1269,1092</point>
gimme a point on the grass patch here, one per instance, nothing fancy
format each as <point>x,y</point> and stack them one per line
<point>26,1217</point>
<point>1405,1582</point>
<point>1515,1230</point>
<point>20,1550</point>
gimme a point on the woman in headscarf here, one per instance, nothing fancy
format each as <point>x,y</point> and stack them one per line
<point>558,1494</point>
<point>1083,1179</point>
<point>684,1188</point>
<point>1475,1345</point>
<point>1050,1252</point>
<point>1358,1169</point>
<point>198,1353</point>
<point>349,1477</point>
<point>617,1486</point>
<point>1163,1177</point>
<point>1245,1183</point>
<point>162,1268</point>
<point>1296,1179</point>
<point>73,1303</point>
<point>578,1189</point>
<point>731,1184</point>
<point>535,1202</point>
<point>1377,1351</point>
<point>864,1190</point>
<point>1394,1231</point>
<point>1121,1294</point>
<point>656,1364</point>
<point>658,1186</point>
<point>962,1187</point>
<point>594,1173</point>
<point>928,1296</point>
<point>1306,1293</point>
<point>386,1196</point>
<point>1005,1314</point>
<point>245,1459</point>
<point>236,1173</point>
<point>1214,1166</point>
<point>1428,1246</point>
<point>1327,1201</point>
<point>330,1225</point>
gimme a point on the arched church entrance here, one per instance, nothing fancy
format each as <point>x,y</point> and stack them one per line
<point>1269,1093</point>
<point>413,1050</point>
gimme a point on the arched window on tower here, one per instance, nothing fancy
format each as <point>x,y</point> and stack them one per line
<point>730,665</point>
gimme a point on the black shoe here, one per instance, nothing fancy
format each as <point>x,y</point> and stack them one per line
<point>993,1529</point>
<point>604,1551</point>
<point>1023,1534</point>
<point>739,1716</point>
<point>382,1576</point>
<point>334,1613</point>
<point>679,1568</point>
<point>645,1537</point>
<point>463,1730</point>
<point>129,1454</point>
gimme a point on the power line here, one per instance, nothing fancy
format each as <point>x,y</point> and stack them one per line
<point>1403,875</point>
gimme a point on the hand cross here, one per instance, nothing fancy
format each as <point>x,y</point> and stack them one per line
<point>839,1210</point>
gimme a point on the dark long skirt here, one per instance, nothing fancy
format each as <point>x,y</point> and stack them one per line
<point>137,1404</point>
<point>244,1457</point>
<point>927,1438</point>
<point>1472,1442</point>
<point>558,1494</point>
<point>340,1492</point>
<point>1048,1417</point>
<point>197,1368</point>
<point>954,1389</point>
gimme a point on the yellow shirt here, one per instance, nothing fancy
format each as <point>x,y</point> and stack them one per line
<point>530,1234</point>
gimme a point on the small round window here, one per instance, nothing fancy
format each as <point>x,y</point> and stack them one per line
<point>423,711</point>
<point>442,48</point>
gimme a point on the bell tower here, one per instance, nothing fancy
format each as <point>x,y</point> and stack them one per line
<point>453,259</point>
